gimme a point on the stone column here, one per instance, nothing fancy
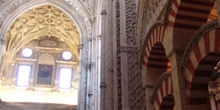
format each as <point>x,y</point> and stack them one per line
<point>55,86</point>
<point>97,75</point>
<point>13,66</point>
<point>115,64</point>
<point>124,57</point>
<point>149,92</point>
<point>92,65</point>
<point>31,80</point>
<point>81,103</point>
<point>103,75</point>
<point>178,79</point>
<point>74,72</point>
<point>2,41</point>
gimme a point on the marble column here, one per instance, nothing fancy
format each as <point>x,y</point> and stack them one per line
<point>179,92</point>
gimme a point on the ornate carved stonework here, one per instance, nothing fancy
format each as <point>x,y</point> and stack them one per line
<point>159,11</point>
<point>87,4</point>
<point>129,49</point>
<point>136,91</point>
<point>46,23</point>
<point>153,10</point>
<point>11,6</point>
<point>119,88</point>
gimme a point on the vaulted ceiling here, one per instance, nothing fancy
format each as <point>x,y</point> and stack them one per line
<point>44,20</point>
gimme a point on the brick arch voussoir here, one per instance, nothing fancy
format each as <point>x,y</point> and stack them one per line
<point>157,35</point>
<point>207,43</point>
<point>163,88</point>
<point>173,12</point>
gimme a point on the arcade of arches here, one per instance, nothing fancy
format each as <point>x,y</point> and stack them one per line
<point>110,54</point>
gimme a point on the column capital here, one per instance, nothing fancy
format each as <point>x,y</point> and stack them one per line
<point>2,41</point>
<point>103,85</point>
<point>80,46</point>
<point>104,12</point>
<point>92,19</point>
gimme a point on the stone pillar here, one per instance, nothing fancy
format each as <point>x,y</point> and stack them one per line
<point>97,76</point>
<point>103,100</point>
<point>31,80</point>
<point>55,86</point>
<point>13,66</point>
<point>74,79</point>
<point>124,57</point>
<point>149,92</point>
<point>2,41</point>
<point>178,79</point>
<point>92,78</point>
<point>217,4</point>
<point>81,103</point>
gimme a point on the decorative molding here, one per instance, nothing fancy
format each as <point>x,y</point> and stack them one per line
<point>99,36</point>
<point>158,84</point>
<point>90,93</point>
<point>148,86</point>
<point>75,6</point>
<point>167,12</point>
<point>129,49</point>
<point>198,35</point>
<point>103,85</point>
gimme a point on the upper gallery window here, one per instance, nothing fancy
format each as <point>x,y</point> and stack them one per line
<point>23,75</point>
<point>27,52</point>
<point>65,78</point>
<point>66,55</point>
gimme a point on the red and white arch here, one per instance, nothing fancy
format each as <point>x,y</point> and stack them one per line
<point>164,95</point>
<point>200,64</point>
<point>189,14</point>
<point>156,36</point>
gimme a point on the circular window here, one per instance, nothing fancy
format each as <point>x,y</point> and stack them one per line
<point>27,52</point>
<point>66,55</point>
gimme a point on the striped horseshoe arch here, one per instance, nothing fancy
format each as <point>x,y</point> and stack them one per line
<point>187,13</point>
<point>162,98</point>
<point>155,62</point>
<point>198,64</point>
<point>156,36</point>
